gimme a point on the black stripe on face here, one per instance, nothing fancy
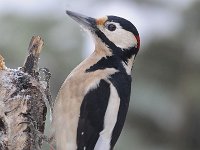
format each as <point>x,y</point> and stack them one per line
<point>123,54</point>
<point>105,40</point>
<point>114,61</point>
<point>92,112</point>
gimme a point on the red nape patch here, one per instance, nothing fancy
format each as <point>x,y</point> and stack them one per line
<point>138,41</point>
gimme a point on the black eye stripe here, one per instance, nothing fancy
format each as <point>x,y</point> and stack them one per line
<point>111,27</point>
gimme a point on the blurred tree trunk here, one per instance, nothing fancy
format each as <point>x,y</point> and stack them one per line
<point>23,102</point>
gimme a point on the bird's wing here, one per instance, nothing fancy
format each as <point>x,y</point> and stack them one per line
<point>91,121</point>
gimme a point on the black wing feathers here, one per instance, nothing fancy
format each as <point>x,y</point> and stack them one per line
<point>122,83</point>
<point>92,114</point>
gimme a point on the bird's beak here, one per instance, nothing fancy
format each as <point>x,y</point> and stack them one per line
<point>86,22</point>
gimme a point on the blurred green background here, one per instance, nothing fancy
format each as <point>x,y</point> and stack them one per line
<point>164,111</point>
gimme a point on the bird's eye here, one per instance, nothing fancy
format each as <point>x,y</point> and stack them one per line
<point>111,27</point>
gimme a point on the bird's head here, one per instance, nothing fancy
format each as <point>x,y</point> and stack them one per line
<point>116,33</point>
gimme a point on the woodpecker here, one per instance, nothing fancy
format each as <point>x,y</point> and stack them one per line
<point>91,105</point>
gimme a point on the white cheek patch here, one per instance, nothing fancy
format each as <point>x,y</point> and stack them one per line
<point>120,37</point>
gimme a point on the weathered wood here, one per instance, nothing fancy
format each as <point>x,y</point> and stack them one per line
<point>2,63</point>
<point>22,103</point>
<point>31,63</point>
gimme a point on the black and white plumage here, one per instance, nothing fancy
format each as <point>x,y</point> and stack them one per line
<point>92,104</point>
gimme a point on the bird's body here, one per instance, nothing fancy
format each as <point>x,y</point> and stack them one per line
<point>92,104</point>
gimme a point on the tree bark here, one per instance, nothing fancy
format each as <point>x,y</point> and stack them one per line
<point>23,98</point>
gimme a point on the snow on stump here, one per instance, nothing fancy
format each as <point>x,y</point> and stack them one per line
<point>23,99</point>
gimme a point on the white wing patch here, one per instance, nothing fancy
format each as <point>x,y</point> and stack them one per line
<point>103,143</point>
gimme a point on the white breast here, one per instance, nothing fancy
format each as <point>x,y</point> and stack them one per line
<point>110,120</point>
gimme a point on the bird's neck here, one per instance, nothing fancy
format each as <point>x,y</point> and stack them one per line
<point>102,49</point>
<point>116,58</point>
<point>128,64</point>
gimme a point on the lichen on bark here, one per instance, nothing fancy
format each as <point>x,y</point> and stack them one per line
<point>23,104</point>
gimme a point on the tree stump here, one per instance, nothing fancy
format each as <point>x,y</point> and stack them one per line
<point>23,98</point>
